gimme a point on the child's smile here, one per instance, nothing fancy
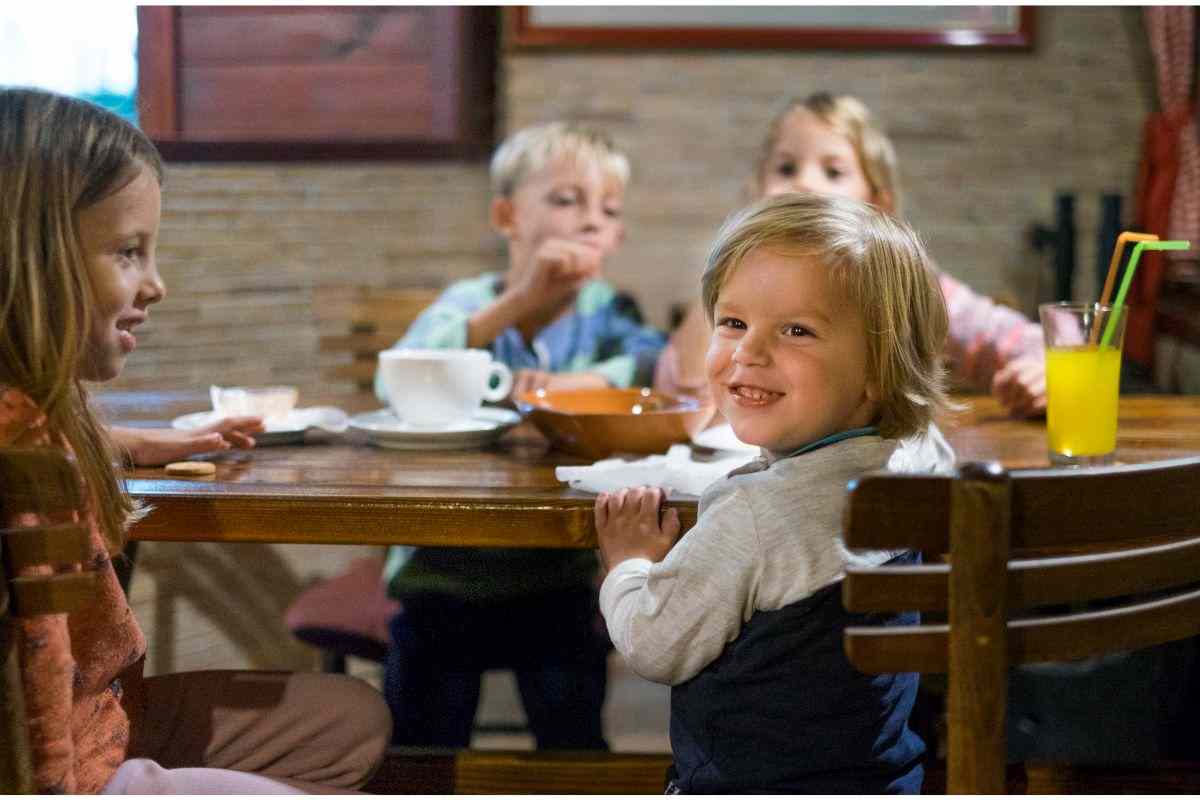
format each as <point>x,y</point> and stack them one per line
<point>787,362</point>
<point>753,396</point>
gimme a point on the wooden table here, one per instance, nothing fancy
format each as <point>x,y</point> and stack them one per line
<point>343,490</point>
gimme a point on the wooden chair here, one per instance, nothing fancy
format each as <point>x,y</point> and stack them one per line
<point>346,615</point>
<point>519,772</point>
<point>374,317</point>
<point>1022,545</point>
<point>44,482</point>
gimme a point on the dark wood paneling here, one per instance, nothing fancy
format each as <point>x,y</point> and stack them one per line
<point>307,102</point>
<point>158,73</point>
<point>315,82</point>
<point>258,35</point>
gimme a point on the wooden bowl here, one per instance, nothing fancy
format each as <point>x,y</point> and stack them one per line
<point>596,423</point>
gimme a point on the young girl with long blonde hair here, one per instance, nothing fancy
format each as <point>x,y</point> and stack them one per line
<point>833,145</point>
<point>79,217</point>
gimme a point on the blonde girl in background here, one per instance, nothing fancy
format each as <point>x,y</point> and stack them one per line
<point>79,217</point>
<point>832,145</point>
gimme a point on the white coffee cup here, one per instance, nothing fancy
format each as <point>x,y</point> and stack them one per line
<point>434,389</point>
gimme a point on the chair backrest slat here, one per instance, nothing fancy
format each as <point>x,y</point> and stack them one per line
<point>50,544</point>
<point>372,319</point>
<point>38,480</point>
<point>1032,582</point>
<point>56,594</point>
<point>916,648</point>
<point>893,511</point>
<point>358,342</point>
<point>1097,505</point>
<point>1051,508</point>
<point>916,588</point>
<point>1091,633</point>
<point>1066,637</point>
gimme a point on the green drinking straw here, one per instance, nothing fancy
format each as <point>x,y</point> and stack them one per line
<point>1128,278</point>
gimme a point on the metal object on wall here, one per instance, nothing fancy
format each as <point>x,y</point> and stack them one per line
<point>1062,238</point>
<point>1109,230</point>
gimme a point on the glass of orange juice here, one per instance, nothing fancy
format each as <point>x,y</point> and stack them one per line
<point>1083,377</point>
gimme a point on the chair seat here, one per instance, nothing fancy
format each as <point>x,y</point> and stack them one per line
<point>343,643</point>
<point>347,614</point>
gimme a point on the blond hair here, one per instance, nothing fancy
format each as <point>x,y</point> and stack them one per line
<point>59,156</point>
<point>850,118</point>
<point>880,266</point>
<point>529,150</point>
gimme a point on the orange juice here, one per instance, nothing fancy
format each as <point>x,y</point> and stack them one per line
<point>1081,387</point>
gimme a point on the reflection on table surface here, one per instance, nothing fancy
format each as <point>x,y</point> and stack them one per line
<point>339,488</point>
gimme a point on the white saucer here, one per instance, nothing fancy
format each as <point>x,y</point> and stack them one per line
<point>385,430</point>
<point>288,429</point>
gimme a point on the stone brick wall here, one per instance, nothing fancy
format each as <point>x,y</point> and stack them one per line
<point>985,140</point>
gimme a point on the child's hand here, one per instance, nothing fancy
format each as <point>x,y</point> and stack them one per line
<point>527,380</point>
<point>1020,386</point>
<point>628,526</point>
<point>149,447</point>
<point>560,267</point>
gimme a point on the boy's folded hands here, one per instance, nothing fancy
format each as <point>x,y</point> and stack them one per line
<point>560,268</point>
<point>632,524</point>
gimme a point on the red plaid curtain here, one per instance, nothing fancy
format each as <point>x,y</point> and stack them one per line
<point>1168,184</point>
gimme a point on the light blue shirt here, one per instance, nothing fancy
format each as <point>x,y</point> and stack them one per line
<point>595,337</point>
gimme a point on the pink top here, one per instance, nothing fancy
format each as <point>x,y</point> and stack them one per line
<point>82,672</point>
<point>984,336</point>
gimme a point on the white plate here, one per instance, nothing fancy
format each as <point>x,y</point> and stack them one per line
<point>385,430</point>
<point>722,437</point>
<point>285,430</point>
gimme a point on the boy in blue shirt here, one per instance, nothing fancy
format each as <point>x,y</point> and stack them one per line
<point>558,191</point>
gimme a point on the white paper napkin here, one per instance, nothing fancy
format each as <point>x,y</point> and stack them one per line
<point>276,406</point>
<point>685,472</point>
<point>680,470</point>
<point>327,418</point>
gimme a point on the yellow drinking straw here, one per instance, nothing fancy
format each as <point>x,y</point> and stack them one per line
<point>1128,278</point>
<point>1113,263</point>
<point>1118,249</point>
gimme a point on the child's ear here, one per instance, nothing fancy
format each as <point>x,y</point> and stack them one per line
<point>501,214</point>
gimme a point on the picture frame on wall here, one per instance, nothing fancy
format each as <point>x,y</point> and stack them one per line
<point>772,27</point>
